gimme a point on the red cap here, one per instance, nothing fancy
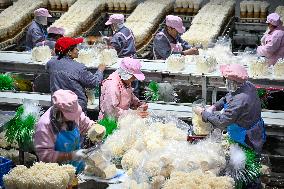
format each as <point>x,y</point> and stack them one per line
<point>63,43</point>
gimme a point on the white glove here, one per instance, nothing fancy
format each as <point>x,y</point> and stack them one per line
<point>106,38</point>
<point>96,133</point>
<point>211,109</point>
<point>79,155</point>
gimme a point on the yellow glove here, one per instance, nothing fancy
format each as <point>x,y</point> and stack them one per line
<point>96,133</point>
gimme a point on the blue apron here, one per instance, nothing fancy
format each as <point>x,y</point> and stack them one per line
<point>69,141</point>
<point>238,133</point>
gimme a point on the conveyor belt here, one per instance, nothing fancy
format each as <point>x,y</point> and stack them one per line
<point>22,62</point>
<point>181,110</point>
<point>153,70</point>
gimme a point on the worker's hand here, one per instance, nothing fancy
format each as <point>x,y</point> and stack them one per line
<point>106,38</point>
<point>96,133</point>
<point>79,155</point>
<point>144,106</point>
<point>191,51</point>
<point>211,109</point>
<point>198,110</point>
<point>143,114</point>
<point>102,67</point>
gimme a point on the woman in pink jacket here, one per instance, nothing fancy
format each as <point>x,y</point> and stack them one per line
<point>58,131</point>
<point>117,94</point>
<point>272,43</point>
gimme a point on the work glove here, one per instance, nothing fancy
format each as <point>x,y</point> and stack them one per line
<point>96,133</point>
<point>79,155</point>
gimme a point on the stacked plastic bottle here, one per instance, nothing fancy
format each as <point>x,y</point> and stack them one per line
<point>254,9</point>
<point>60,4</point>
<point>189,6</point>
<point>5,3</point>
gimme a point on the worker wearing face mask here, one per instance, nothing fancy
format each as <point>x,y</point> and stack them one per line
<point>116,93</point>
<point>59,130</point>
<point>240,109</point>
<point>168,41</point>
<point>37,31</point>
<point>272,43</point>
<point>54,33</point>
<point>122,40</point>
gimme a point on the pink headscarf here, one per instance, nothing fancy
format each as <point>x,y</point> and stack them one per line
<point>132,66</point>
<point>56,30</point>
<point>274,19</point>
<point>115,19</point>
<point>67,102</point>
<point>175,22</point>
<point>234,72</point>
<point>42,12</point>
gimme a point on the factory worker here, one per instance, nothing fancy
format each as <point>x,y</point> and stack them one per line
<point>168,41</point>
<point>68,74</point>
<point>122,40</point>
<point>116,93</point>
<point>54,33</point>
<point>272,43</point>
<point>240,109</point>
<point>58,131</point>
<point>37,30</point>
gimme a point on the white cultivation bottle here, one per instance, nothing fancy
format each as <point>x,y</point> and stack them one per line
<point>263,9</point>
<point>184,6</point>
<point>256,9</point>
<point>243,7</point>
<point>110,4</point>
<point>52,4</point>
<point>250,5</point>
<point>190,6</point>
<point>58,4</point>
<point>196,5</point>
<point>122,5</point>
<point>64,4</point>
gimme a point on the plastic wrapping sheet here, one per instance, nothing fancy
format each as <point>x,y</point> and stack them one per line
<point>165,117</point>
<point>175,62</point>
<point>222,50</point>
<point>278,69</point>
<point>206,63</point>
<point>87,55</point>
<point>199,126</point>
<point>259,67</point>
<point>167,92</point>
<point>152,149</point>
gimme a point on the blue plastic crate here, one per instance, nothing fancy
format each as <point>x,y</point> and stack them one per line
<point>5,167</point>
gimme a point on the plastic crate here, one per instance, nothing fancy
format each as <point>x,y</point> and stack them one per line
<point>5,167</point>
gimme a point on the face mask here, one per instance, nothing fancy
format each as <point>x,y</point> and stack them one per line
<point>116,27</point>
<point>41,20</point>
<point>231,86</point>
